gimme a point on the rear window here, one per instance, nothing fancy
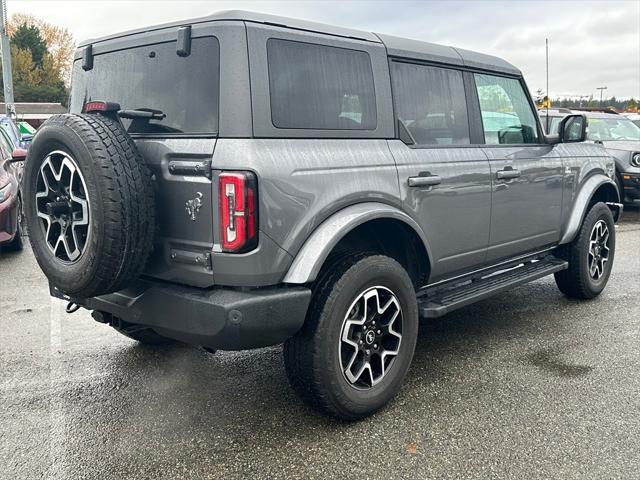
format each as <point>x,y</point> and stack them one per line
<point>155,77</point>
<point>319,87</point>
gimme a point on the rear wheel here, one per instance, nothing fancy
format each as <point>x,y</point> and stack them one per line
<point>355,348</point>
<point>590,255</point>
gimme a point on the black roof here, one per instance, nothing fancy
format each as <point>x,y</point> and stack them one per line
<point>396,46</point>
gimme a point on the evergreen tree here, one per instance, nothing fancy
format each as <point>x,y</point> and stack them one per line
<point>29,38</point>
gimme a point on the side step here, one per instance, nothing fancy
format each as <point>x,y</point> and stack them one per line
<point>435,303</point>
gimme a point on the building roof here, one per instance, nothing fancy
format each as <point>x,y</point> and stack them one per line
<point>396,46</point>
<point>35,108</point>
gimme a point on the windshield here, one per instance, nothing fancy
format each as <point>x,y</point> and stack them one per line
<point>155,77</point>
<point>612,129</point>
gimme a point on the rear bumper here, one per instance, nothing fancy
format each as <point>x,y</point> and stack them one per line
<point>631,185</point>
<point>219,318</point>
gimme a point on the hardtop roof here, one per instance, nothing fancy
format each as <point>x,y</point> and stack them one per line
<point>396,46</point>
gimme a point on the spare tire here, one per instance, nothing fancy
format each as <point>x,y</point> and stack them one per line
<point>89,204</point>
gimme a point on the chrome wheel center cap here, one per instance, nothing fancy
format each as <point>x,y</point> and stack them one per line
<point>370,337</point>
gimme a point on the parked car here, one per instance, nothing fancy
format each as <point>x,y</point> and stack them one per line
<point>18,139</point>
<point>10,197</point>
<point>243,180</point>
<point>619,135</point>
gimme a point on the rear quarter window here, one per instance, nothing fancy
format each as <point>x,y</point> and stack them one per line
<point>185,89</point>
<point>320,87</point>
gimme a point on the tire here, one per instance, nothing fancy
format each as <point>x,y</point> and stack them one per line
<point>109,197</point>
<point>316,356</point>
<point>579,281</point>
<point>17,243</point>
<point>143,335</point>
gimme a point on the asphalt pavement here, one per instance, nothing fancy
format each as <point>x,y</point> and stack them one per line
<point>527,385</point>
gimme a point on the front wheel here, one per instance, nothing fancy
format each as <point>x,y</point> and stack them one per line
<point>590,255</point>
<point>355,348</point>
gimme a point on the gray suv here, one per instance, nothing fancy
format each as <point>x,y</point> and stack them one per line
<point>243,180</point>
<point>619,134</point>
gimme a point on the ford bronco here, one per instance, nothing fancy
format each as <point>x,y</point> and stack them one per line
<point>243,180</point>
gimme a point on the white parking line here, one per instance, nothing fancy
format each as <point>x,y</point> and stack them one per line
<point>57,433</point>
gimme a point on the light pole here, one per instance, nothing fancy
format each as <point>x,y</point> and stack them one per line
<point>7,76</point>
<point>602,89</point>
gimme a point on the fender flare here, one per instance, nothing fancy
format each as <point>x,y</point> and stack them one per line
<point>580,204</point>
<point>316,249</point>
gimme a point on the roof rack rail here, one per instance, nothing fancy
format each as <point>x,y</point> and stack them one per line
<point>597,109</point>
<point>554,109</point>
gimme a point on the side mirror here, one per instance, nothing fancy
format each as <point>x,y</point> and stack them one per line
<point>573,128</point>
<point>18,155</point>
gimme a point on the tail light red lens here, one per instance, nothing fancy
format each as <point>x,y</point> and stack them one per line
<point>90,107</point>
<point>238,216</point>
<point>106,107</point>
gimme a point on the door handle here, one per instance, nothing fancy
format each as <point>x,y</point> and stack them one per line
<point>425,181</point>
<point>507,173</point>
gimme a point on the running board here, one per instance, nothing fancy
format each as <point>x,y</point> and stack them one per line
<point>435,303</point>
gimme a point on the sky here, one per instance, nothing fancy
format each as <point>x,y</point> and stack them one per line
<point>591,43</point>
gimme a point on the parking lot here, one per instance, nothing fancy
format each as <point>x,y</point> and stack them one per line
<point>531,385</point>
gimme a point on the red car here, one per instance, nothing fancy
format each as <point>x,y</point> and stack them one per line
<point>10,201</point>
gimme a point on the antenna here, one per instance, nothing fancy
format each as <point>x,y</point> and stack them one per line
<point>7,75</point>
<point>546,44</point>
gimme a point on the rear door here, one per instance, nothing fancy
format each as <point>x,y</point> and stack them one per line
<point>527,175</point>
<point>147,71</point>
<point>445,177</point>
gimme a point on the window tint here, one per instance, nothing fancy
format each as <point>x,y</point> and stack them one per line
<point>507,116</point>
<point>430,101</point>
<point>319,87</point>
<point>185,89</point>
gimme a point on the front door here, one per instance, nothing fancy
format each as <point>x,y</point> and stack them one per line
<point>526,173</point>
<point>445,182</point>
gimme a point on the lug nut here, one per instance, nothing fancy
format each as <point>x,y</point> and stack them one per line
<point>379,332</point>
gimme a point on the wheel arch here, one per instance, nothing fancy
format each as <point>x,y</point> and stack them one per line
<point>597,188</point>
<point>369,226</point>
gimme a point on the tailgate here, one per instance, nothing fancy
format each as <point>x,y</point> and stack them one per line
<point>182,179</point>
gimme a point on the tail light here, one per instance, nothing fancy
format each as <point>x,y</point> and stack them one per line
<point>238,216</point>
<point>105,107</point>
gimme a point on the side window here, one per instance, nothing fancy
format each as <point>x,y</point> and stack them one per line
<point>555,125</point>
<point>320,87</point>
<point>431,103</point>
<point>507,116</point>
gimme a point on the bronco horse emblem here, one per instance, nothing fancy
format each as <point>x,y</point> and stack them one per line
<point>193,206</point>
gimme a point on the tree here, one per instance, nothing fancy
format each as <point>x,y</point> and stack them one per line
<point>38,74</point>
<point>632,105</point>
<point>28,38</point>
<point>59,42</point>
